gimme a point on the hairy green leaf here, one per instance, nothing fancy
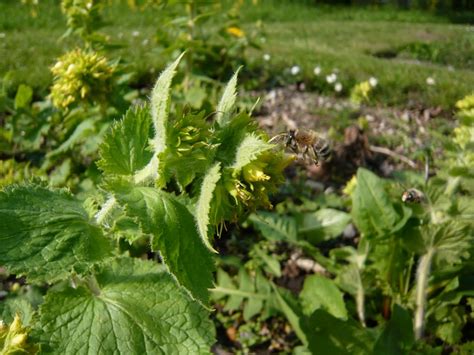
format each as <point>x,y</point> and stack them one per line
<point>175,236</point>
<point>203,206</point>
<point>160,105</point>
<point>124,150</point>
<point>372,210</point>
<point>249,149</point>
<point>46,234</point>
<point>321,293</point>
<point>227,102</point>
<point>134,307</point>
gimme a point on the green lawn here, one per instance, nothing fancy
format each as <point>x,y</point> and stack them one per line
<point>355,41</point>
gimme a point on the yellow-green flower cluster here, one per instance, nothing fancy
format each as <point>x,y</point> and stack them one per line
<point>82,15</point>
<point>247,189</point>
<point>81,76</point>
<point>360,92</point>
<point>13,339</point>
<point>188,151</point>
<point>466,103</point>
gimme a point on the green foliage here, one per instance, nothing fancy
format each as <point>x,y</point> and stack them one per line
<point>131,306</point>
<point>149,199</point>
<point>47,234</point>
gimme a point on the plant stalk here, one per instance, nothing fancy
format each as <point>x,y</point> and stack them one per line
<point>360,300</point>
<point>422,275</point>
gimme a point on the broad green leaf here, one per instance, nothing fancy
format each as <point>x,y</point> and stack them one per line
<point>249,150</point>
<point>397,336</point>
<point>203,205</point>
<point>46,234</point>
<point>160,105</point>
<point>328,335</point>
<point>274,226</point>
<point>323,224</point>
<point>321,293</point>
<point>124,150</point>
<point>23,96</point>
<point>372,210</point>
<point>174,235</point>
<point>227,102</point>
<point>135,307</point>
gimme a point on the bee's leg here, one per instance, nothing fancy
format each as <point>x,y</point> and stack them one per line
<point>315,156</point>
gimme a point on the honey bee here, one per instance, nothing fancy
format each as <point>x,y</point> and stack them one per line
<point>413,196</point>
<point>307,144</point>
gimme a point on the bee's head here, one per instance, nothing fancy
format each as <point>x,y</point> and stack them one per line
<point>291,138</point>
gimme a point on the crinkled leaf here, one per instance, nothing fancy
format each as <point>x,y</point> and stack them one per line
<point>397,336</point>
<point>249,150</point>
<point>203,206</point>
<point>135,308</point>
<point>372,210</point>
<point>227,102</point>
<point>124,150</point>
<point>321,293</point>
<point>44,234</point>
<point>175,236</point>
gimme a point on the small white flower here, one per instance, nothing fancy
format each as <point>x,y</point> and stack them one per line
<point>338,87</point>
<point>2,35</point>
<point>331,78</point>
<point>145,42</point>
<point>136,33</point>
<point>430,81</point>
<point>295,70</point>
<point>317,70</point>
<point>89,5</point>
<point>266,57</point>
<point>373,81</point>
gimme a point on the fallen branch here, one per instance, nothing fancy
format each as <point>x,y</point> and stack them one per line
<point>392,154</point>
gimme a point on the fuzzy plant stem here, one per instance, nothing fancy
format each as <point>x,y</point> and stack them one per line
<point>422,275</point>
<point>360,301</point>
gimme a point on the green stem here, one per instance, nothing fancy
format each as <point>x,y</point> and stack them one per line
<point>360,300</point>
<point>422,275</point>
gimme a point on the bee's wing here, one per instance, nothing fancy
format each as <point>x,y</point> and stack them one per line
<point>279,139</point>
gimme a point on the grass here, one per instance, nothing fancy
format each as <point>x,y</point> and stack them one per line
<point>355,41</point>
